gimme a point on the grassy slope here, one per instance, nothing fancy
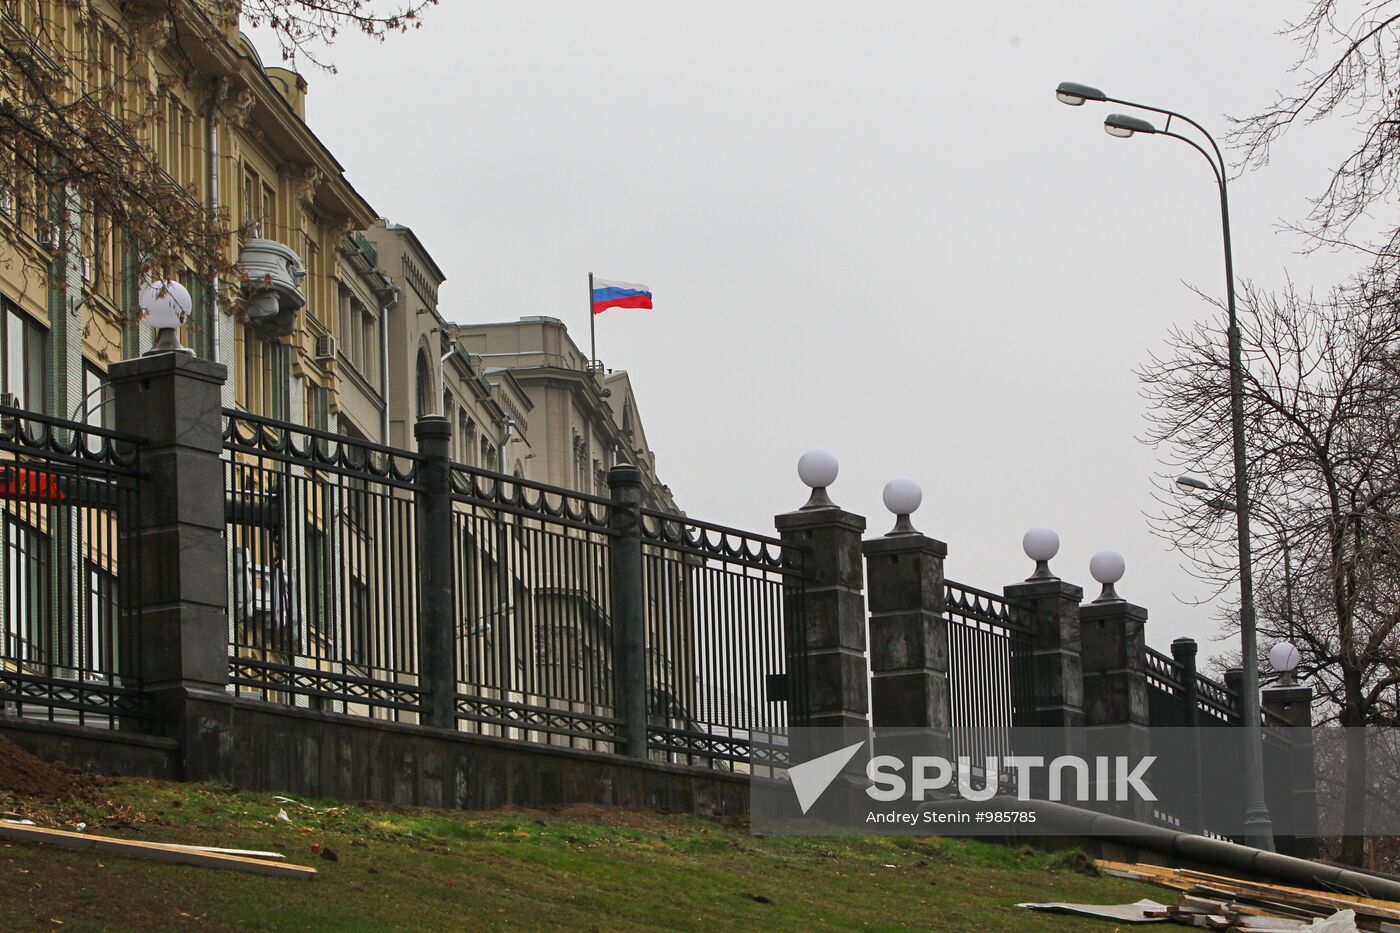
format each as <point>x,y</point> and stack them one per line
<point>579,868</point>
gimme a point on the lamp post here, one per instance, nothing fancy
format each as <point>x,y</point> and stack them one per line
<point>1223,503</point>
<point>1258,829</point>
<point>166,305</point>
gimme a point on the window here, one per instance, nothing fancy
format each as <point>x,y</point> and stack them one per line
<point>425,384</point>
<point>26,561</point>
<point>357,648</point>
<point>25,343</point>
<point>466,434</point>
<point>97,398</point>
<point>197,335</point>
<point>99,655</point>
<point>279,385</point>
<point>248,203</point>
<point>369,346</point>
<point>317,581</point>
<point>318,408</point>
<point>356,488</point>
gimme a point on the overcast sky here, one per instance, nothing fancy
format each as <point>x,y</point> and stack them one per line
<point>868,226</point>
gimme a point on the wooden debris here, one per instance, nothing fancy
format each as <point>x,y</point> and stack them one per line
<point>156,851</point>
<point>245,853</point>
<point>1219,902</point>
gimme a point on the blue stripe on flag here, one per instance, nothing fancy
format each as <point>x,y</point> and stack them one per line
<point>609,294</point>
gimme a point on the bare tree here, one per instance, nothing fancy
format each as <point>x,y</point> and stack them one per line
<point>1349,68</point>
<point>81,111</point>
<point>1322,410</point>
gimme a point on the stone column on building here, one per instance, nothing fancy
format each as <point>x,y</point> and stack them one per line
<point>1113,639</point>
<point>177,633</point>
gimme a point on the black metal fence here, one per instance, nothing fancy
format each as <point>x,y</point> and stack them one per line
<point>325,565</point>
<point>990,670</point>
<point>1179,696</point>
<point>322,568</point>
<point>722,640</point>
<point>534,640</point>
<point>67,491</point>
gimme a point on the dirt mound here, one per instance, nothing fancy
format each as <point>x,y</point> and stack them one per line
<point>22,773</point>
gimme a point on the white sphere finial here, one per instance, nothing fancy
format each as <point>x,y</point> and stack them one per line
<point>165,305</point>
<point>817,468</point>
<point>1041,545</point>
<point>1107,568</point>
<point>1284,657</point>
<point>902,497</point>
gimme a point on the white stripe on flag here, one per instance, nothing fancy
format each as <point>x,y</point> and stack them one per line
<point>629,286</point>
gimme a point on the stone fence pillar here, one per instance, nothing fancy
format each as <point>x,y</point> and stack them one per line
<point>908,632</point>
<point>177,635</point>
<point>1113,635</point>
<point>1184,654</point>
<point>827,668</point>
<point>437,607</point>
<point>628,608</point>
<point>1292,703</point>
<point>1056,666</point>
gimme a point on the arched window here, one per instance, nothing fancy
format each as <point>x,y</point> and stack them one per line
<point>425,384</point>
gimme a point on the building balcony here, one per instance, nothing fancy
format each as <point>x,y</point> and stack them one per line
<point>272,277</point>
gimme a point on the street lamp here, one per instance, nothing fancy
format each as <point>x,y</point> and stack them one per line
<point>817,469</point>
<point>1041,545</point>
<point>902,497</point>
<point>1123,126</point>
<point>165,305</point>
<point>1284,658</point>
<point>1258,828</point>
<point>1221,502</point>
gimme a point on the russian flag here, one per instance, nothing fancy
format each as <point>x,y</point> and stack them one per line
<point>609,294</point>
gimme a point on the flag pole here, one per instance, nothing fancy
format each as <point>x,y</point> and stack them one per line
<point>592,328</point>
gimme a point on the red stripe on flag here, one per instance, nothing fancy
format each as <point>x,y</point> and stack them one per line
<point>631,301</point>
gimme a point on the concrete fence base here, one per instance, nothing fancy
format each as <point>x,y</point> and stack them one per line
<point>264,747</point>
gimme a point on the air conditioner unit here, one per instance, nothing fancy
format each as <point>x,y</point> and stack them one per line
<point>7,419</point>
<point>325,347</point>
<point>7,201</point>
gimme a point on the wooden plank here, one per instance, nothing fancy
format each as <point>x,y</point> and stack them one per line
<point>156,851</point>
<point>1371,913</point>
<point>245,853</point>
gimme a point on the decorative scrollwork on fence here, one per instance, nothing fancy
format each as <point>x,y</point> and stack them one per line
<point>265,676</point>
<point>525,497</point>
<point>717,541</point>
<point>315,449</point>
<point>1165,672</point>
<point>57,440</point>
<point>83,698</point>
<point>717,748</point>
<point>1216,699</point>
<point>982,606</point>
<point>537,718</point>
